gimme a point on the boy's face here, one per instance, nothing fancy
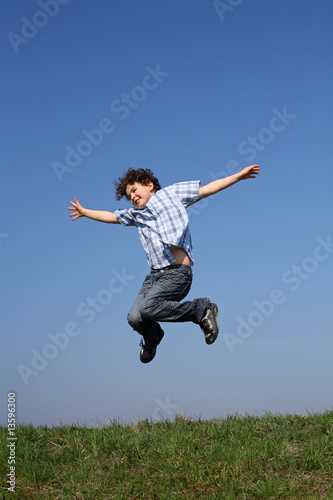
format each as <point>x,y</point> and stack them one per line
<point>140,194</point>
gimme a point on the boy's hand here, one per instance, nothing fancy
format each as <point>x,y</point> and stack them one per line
<point>249,172</point>
<point>99,215</point>
<point>216,186</point>
<point>77,209</point>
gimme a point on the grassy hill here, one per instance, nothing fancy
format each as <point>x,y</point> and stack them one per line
<point>268,457</point>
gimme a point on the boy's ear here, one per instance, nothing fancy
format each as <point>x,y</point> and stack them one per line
<point>151,186</point>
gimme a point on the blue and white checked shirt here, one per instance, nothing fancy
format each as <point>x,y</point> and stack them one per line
<point>164,222</point>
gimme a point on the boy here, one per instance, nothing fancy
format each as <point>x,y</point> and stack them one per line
<point>161,218</point>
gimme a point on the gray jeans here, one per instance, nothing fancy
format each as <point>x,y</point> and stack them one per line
<point>159,300</point>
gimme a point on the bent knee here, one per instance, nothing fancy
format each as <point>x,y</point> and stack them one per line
<point>134,320</point>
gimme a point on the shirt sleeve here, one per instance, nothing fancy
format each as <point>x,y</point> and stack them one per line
<point>187,192</point>
<point>125,216</point>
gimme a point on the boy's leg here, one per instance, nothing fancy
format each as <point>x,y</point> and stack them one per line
<point>159,300</point>
<point>162,302</point>
<point>149,329</point>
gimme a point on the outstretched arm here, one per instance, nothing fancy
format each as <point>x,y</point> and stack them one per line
<point>216,186</point>
<point>99,215</point>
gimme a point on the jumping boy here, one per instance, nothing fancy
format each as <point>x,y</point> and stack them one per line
<point>161,218</point>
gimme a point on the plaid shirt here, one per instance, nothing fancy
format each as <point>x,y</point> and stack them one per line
<point>164,222</point>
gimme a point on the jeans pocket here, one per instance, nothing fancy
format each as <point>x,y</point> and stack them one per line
<point>181,281</point>
<point>176,276</point>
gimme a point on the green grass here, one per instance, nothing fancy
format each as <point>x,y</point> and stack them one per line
<point>268,457</point>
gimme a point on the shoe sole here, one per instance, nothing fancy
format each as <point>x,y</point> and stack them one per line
<point>211,337</point>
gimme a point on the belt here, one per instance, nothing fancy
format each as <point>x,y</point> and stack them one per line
<point>167,268</point>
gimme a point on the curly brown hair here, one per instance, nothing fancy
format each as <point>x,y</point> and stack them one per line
<point>141,175</point>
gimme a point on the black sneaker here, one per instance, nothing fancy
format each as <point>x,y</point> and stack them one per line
<point>148,350</point>
<point>209,325</point>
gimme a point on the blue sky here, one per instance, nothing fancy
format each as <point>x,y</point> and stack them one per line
<point>191,90</point>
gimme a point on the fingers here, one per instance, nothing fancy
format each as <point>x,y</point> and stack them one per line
<point>75,215</point>
<point>75,205</point>
<point>76,202</point>
<point>253,171</point>
<point>250,172</point>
